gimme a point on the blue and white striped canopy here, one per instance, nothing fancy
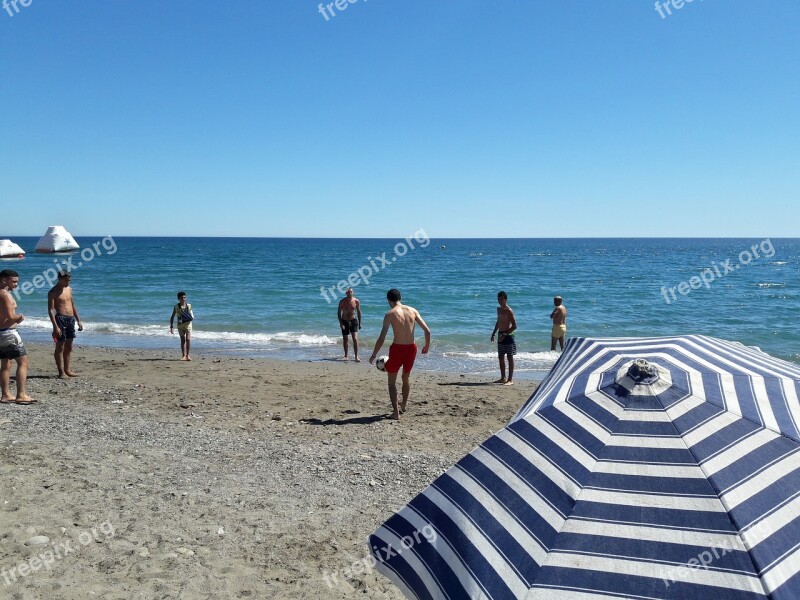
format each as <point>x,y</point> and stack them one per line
<point>676,477</point>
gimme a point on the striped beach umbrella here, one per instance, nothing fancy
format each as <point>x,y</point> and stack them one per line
<point>640,468</point>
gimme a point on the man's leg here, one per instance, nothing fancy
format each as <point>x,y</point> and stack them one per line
<point>406,390</point>
<point>502,369</point>
<point>58,354</point>
<point>344,343</point>
<point>67,355</point>
<point>355,346</point>
<point>393,394</point>
<point>5,379</point>
<point>22,378</point>
<point>510,369</point>
<point>561,343</point>
<point>553,342</point>
<point>188,343</point>
<point>182,335</point>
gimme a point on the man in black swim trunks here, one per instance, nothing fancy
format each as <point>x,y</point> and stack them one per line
<point>350,321</point>
<point>64,317</point>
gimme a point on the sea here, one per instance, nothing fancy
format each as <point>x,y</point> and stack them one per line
<point>277,297</point>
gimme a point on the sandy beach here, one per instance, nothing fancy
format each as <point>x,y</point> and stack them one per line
<point>225,477</point>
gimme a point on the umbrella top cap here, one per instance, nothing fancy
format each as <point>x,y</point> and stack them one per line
<point>642,371</point>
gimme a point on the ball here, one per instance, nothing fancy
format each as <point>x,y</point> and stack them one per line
<point>381,363</point>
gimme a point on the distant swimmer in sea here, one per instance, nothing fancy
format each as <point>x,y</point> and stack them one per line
<point>403,350</point>
<point>505,326</point>
<point>349,313</point>
<point>64,317</point>
<point>559,317</point>
<point>11,346</point>
<point>183,311</point>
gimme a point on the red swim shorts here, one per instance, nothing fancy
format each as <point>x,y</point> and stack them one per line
<point>401,355</point>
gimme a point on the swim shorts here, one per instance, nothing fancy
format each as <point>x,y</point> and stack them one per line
<point>67,326</point>
<point>349,326</point>
<point>184,327</point>
<point>559,331</point>
<point>401,355</point>
<point>508,345</point>
<point>11,345</point>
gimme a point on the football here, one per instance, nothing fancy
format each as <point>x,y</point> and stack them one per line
<point>381,363</point>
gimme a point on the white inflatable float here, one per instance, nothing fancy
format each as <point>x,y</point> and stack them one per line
<point>9,249</point>
<point>56,239</point>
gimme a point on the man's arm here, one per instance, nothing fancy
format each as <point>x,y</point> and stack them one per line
<point>421,322</point>
<point>512,322</point>
<point>358,310</point>
<point>75,312</point>
<point>172,318</point>
<point>51,311</point>
<point>496,325</point>
<point>339,312</point>
<point>381,338</point>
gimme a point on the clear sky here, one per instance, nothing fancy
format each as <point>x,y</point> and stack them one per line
<point>503,118</point>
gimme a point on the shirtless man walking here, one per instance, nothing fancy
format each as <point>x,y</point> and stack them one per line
<point>64,317</point>
<point>403,350</point>
<point>506,345</point>
<point>11,346</point>
<point>350,321</point>
<point>559,317</point>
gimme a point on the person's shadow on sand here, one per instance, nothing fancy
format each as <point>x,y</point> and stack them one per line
<point>353,421</point>
<point>468,383</point>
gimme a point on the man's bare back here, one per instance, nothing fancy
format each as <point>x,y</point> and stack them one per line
<point>403,320</point>
<point>559,315</point>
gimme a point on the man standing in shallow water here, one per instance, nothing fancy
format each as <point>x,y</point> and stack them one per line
<point>506,345</point>
<point>403,350</point>
<point>559,317</point>
<point>64,317</point>
<point>183,311</point>
<point>11,346</point>
<point>350,321</point>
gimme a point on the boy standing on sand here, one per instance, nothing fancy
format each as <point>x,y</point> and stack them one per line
<point>64,317</point>
<point>183,311</point>
<point>11,346</point>
<point>349,312</point>
<point>403,350</point>
<point>559,317</point>
<point>506,344</point>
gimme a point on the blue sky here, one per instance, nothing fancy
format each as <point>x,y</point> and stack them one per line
<point>564,118</point>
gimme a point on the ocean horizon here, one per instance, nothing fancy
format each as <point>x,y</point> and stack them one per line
<point>276,297</point>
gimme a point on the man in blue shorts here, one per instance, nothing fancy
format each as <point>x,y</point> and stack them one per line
<point>64,317</point>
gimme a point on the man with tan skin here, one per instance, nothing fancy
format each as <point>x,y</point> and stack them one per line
<point>403,350</point>
<point>559,317</point>
<point>64,317</point>
<point>506,345</point>
<point>350,321</point>
<point>11,346</point>
<point>183,311</point>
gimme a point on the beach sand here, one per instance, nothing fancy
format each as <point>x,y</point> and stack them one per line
<point>225,477</point>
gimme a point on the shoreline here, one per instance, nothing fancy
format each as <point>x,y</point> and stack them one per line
<point>294,462</point>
